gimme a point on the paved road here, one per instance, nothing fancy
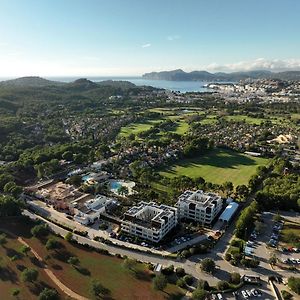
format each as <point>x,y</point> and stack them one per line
<point>224,269</point>
<point>189,266</point>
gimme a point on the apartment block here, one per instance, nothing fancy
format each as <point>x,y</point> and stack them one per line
<point>149,221</point>
<point>199,206</point>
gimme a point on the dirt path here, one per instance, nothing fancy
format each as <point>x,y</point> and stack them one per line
<point>52,276</point>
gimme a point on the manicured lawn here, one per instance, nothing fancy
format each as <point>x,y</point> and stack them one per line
<point>250,120</point>
<point>108,270</point>
<point>217,166</point>
<point>290,234</point>
<point>182,127</point>
<point>136,128</point>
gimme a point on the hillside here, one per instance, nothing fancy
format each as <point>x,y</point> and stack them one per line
<point>30,81</point>
<point>180,75</point>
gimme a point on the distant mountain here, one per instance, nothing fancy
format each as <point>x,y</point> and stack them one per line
<point>31,81</point>
<point>180,75</point>
<point>82,84</point>
<point>117,84</point>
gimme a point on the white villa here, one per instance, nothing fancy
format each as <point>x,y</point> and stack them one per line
<point>91,210</point>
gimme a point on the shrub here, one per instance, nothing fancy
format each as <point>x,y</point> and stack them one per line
<point>222,285</point>
<point>49,294</point>
<point>40,230</point>
<point>69,237</point>
<point>180,272</point>
<point>15,292</point>
<point>180,282</point>
<point>294,284</point>
<point>188,279</point>
<point>160,282</point>
<point>185,254</point>
<point>228,256</point>
<point>235,278</point>
<point>286,295</point>
<point>103,226</point>
<point>52,243</point>
<point>208,265</point>
<point>29,275</point>
<point>74,261</point>
<point>199,294</point>
<point>203,285</point>
<point>168,271</point>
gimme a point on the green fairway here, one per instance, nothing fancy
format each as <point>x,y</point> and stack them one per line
<point>136,128</point>
<point>218,166</point>
<point>250,120</point>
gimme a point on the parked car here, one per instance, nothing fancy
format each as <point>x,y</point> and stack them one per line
<point>244,294</point>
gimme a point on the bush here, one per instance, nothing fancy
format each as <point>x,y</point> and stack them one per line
<point>222,285</point>
<point>203,285</point>
<point>168,271</point>
<point>52,243</point>
<point>188,279</point>
<point>180,272</point>
<point>294,284</point>
<point>103,226</point>
<point>199,294</point>
<point>49,294</point>
<point>185,254</point>
<point>160,282</point>
<point>29,275</point>
<point>250,263</point>
<point>40,230</point>
<point>181,283</point>
<point>208,265</point>
<point>15,292</point>
<point>235,278</point>
<point>69,237</point>
<point>228,256</point>
<point>286,295</point>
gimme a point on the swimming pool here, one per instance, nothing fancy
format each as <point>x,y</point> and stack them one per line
<point>86,177</point>
<point>116,184</point>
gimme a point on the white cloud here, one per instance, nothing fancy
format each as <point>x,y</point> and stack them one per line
<point>146,45</point>
<point>275,65</point>
<point>173,37</point>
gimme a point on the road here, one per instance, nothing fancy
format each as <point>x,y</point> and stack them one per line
<point>191,265</point>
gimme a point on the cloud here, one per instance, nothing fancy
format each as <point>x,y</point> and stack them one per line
<point>275,65</point>
<point>173,37</point>
<point>146,45</point>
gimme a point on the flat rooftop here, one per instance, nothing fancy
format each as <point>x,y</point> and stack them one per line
<point>198,197</point>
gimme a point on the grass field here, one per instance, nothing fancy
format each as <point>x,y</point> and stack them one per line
<point>290,234</point>
<point>120,282</point>
<point>136,128</point>
<point>217,167</point>
<point>250,120</point>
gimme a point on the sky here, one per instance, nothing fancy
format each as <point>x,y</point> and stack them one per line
<point>131,37</point>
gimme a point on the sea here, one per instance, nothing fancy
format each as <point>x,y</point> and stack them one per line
<point>179,86</point>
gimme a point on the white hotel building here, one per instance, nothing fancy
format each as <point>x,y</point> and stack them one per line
<point>149,221</point>
<point>199,206</point>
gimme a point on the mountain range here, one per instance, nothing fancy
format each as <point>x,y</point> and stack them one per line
<point>80,84</point>
<point>180,75</point>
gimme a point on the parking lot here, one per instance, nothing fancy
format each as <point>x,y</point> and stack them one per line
<point>248,292</point>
